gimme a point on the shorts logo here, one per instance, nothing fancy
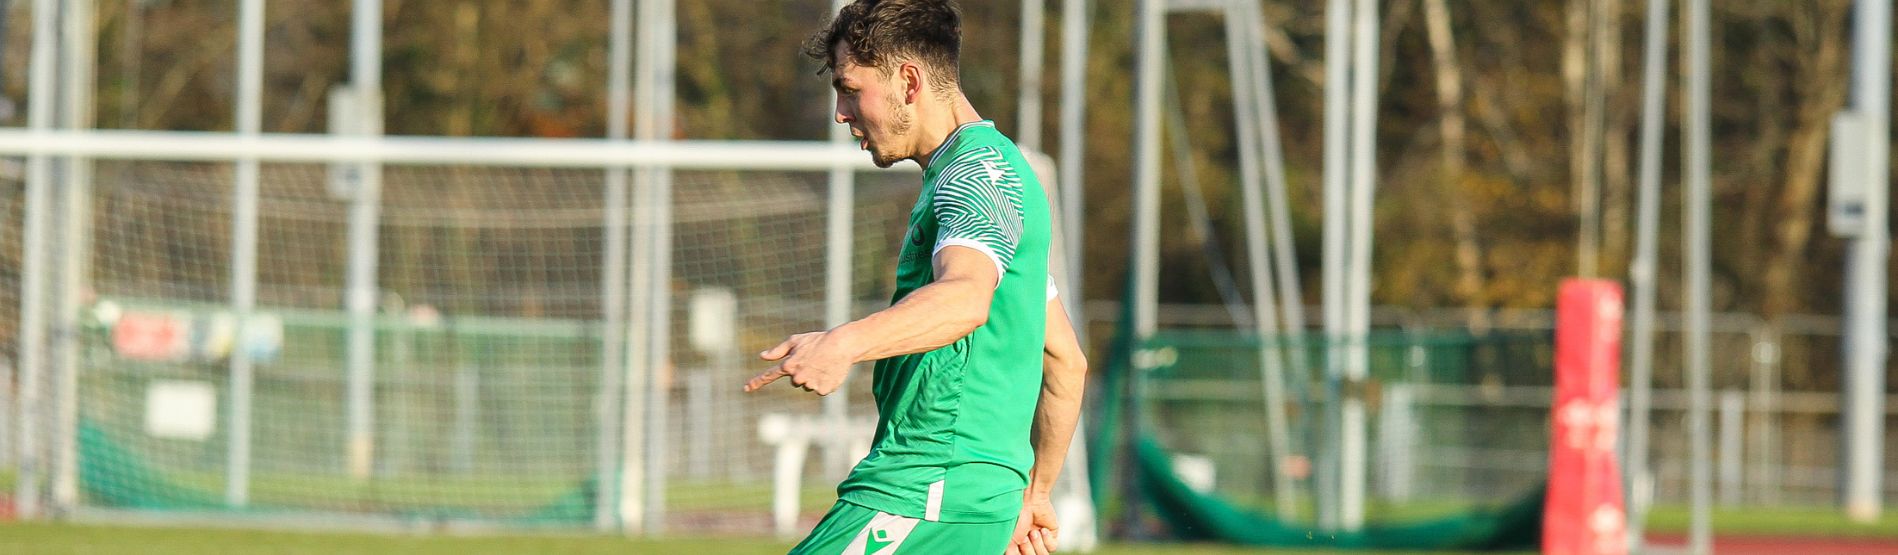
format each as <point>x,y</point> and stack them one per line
<point>881,536</point>
<point>879,539</point>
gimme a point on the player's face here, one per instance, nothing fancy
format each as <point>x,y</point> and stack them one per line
<point>874,108</point>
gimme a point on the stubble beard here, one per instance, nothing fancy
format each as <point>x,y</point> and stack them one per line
<point>899,127</point>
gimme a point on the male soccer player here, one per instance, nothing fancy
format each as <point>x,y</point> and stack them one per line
<point>971,432</point>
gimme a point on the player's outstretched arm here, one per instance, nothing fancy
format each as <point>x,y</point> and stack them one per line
<point>1063,378</point>
<point>930,317</point>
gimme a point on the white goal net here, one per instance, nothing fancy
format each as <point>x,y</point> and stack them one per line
<point>488,345</point>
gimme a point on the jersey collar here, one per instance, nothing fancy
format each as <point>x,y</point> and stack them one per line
<point>949,143</point>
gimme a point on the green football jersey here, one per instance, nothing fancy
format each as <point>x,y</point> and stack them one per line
<point>952,424</point>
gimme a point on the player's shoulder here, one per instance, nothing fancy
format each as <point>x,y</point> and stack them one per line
<point>978,166</point>
<point>974,157</point>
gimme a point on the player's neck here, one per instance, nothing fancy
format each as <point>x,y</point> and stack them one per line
<point>935,126</point>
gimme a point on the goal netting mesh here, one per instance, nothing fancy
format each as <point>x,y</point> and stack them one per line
<point>489,340</point>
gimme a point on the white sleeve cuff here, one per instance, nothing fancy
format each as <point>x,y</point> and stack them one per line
<point>1052,291</point>
<point>1000,270</point>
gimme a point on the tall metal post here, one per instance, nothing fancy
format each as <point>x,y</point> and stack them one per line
<point>365,213</point>
<point>1264,306</point>
<point>1643,269</point>
<point>1074,36</point>
<point>1696,228</point>
<point>644,441</point>
<point>1291,291</point>
<point>244,223</point>
<point>639,292</point>
<point>1336,186</point>
<point>837,280</point>
<point>1033,37</point>
<point>1641,272</point>
<point>665,46</point>
<point>1865,280</point>
<point>1149,70</point>
<point>1352,454</point>
<point>1149,56</point>
<point>31,434</point>
<point>613,273</point>
<point>78,64</point>
<point>1069,172</point>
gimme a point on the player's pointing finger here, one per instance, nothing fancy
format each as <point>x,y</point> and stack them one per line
<point>765,379</point>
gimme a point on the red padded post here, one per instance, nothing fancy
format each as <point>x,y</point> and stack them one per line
<point>1583,514</point>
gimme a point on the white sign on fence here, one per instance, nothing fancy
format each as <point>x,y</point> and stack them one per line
<point>177,409</point>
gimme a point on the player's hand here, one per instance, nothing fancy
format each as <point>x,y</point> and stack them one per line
<point>812,360</point>
<point>1036,529</point>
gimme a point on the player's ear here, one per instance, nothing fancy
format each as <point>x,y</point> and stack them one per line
<point>912,76</point>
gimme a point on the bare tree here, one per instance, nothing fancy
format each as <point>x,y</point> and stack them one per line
<point>1818,29</point>
<point>1575,92</point>
<point>1452,122</point>
<point>1617,128</point>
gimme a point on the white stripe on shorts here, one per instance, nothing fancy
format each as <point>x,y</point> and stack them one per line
<point>932,511</point>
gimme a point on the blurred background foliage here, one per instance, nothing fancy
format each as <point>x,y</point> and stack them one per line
<point>1485,131</point>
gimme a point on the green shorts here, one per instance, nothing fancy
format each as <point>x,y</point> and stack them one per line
<point>850,529</point>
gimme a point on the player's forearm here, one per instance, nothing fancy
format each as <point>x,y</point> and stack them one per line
<point>1062,382</point>
<point>928,318</point>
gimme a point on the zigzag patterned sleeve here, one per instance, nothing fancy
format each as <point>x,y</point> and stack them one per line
<point>978,204</point>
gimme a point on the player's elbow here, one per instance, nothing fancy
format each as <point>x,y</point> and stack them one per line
<point>1072,365</point>
<point>1064,363</point>
<point>971,310</point>
<point>971,316</point>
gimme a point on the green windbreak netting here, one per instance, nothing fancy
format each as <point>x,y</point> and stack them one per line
<point>495,459</point>
<point>1452,436</point>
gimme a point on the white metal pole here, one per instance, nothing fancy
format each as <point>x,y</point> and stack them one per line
<point>1150,46</point>
<point>244,222</point>
<point>33,268</point>
<point>1866,343</point>
<point>665,45</point>
<point>1291,292</point>
<point>1034,35</point>
<point>1264,309</point>
<point>365,212</point>
<point>1352,451</point>
<point>78,63</point>
<point>1072,205</point>
<point>644,443</point>
<point>632,466</point>
<point>1336,183</point>
<point>1149,70</point>
<point>1642,270</point>
<point>613,272</point>
<point>1697,234</point>
<point>632,506</point>
<point>1074,37</point>
<point>840,237</point>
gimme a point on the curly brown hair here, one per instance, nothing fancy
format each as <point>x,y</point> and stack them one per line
<point>883,33</point>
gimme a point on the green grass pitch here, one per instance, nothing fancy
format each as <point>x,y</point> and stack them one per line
<point>62,539</point>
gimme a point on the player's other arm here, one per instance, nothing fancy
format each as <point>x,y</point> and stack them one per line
<point>930,317</point>
<point>1063,376</point>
